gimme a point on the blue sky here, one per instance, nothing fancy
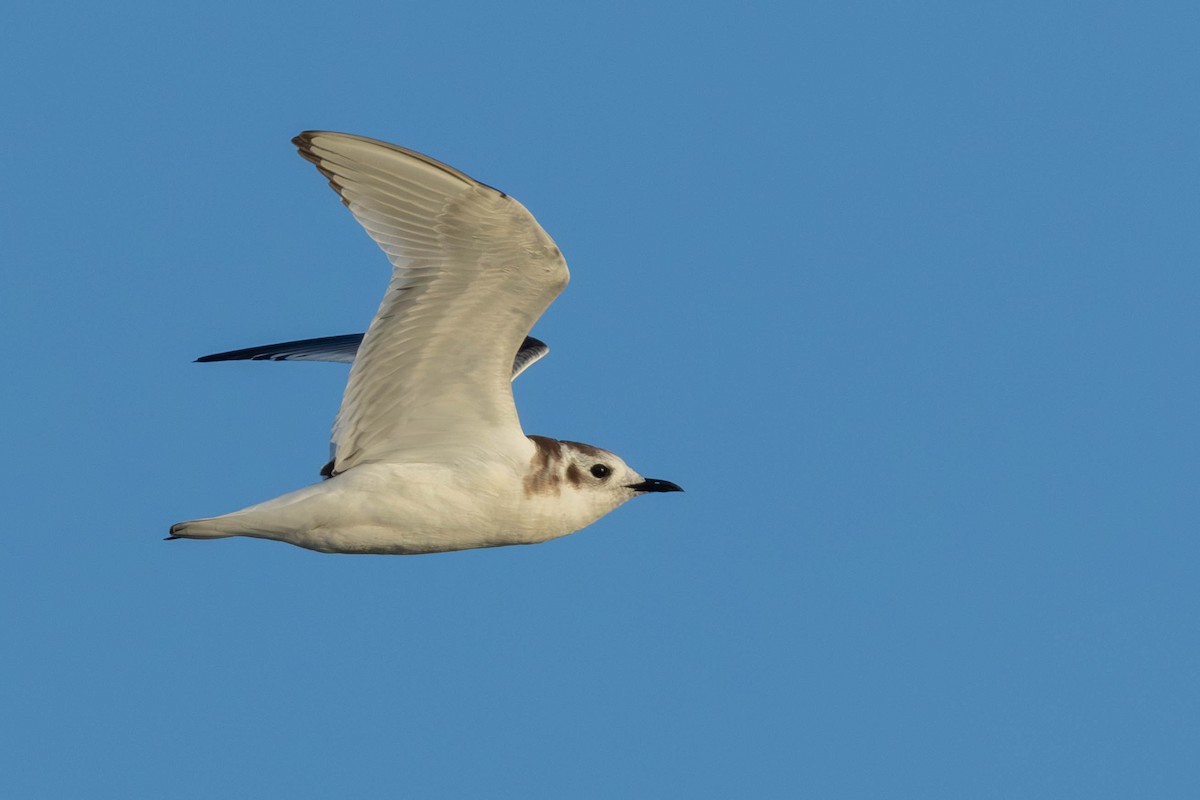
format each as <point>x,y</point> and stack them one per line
<point>905,295</point>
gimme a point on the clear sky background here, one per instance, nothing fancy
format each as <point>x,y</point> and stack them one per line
<point>904,295</point>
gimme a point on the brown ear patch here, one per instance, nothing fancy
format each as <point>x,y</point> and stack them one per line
<point>574,475</point>
<point>544,475</point>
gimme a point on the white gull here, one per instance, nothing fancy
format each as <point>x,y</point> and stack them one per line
<point>428,452</point>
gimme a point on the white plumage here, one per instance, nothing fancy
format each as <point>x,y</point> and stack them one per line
<point>429,454</point>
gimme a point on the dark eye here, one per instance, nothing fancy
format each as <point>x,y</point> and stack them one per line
<point>600,471</point>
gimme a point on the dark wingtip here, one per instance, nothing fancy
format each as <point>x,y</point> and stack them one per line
<point>229,355</point>
<point>303,140</point>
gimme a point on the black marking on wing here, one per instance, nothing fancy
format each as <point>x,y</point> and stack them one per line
<point>531,350</point>
<point>327,348</point>
<point>344,348</point>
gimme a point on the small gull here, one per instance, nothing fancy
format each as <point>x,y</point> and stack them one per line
<point>428,452</point>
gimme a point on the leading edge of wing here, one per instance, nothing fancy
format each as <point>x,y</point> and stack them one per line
<point>304,144</point>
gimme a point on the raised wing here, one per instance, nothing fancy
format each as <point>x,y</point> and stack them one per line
<point>472,271</point>
<point>343,348</point>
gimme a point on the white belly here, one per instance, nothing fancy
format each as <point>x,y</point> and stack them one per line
<point>405,508</point>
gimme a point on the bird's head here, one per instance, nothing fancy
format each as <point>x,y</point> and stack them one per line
<point>595,479</point>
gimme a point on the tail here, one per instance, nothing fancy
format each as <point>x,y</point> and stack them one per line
<point>214,528</point>
<point>274,519</point>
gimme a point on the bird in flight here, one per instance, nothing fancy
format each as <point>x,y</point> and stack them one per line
<point>428,452</point>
